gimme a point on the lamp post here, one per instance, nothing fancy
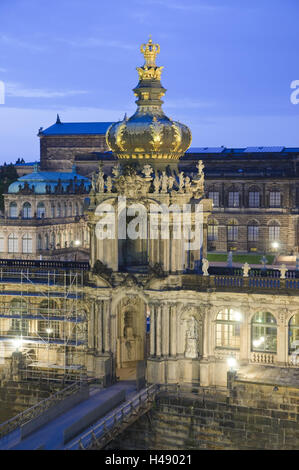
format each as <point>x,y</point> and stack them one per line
<point>77,243</point>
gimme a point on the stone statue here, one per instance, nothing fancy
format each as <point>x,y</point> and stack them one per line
<point>116,171</point>
<point>170,182</point>
<point>191,349</point>
<point>200,166</point>
<point>164,182</point>
<point>187,185</point>
<point>109,184</point>
<point>283,269</point>
<point>94,182</point>
<point>181,181</point>
<point>100,181</point>
<point>205,266</point>
<point>246,268</point>
<point>147,171</point>
<point>157,184</point>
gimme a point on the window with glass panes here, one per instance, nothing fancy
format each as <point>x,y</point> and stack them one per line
<point>254,199</point>
<point>232,231</point>
<point>264,333</point>
<point>275,199</point>
<point>214,195</point>
<point>253,233</point>
<point>274,233</point>
<point>233,199</point>
<point>228,329</point>
<point>27,244</point>
<point>294,333</point>
<point>12,243</point>
<point>212,231</point>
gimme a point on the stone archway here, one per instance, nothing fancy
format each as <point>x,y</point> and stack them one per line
<point>131,336</point>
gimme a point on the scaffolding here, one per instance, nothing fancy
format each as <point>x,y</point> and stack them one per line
<point>42,315</point>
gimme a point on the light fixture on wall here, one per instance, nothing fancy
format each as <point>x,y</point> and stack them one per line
<point>232,363</point>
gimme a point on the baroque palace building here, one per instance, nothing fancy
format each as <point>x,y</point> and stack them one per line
<point>44,217</point>
<point>149,298</point>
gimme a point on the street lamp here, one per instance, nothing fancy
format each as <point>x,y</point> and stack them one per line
<point>77,243</point>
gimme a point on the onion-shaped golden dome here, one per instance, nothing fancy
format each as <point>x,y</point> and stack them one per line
<point>149,133</point>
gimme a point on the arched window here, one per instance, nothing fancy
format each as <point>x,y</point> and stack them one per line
<point>27,213</point>
<point>13,210</point>
<point>232,230</point>
<point>76,209</point>
<point>58,210</point>
<point>294,333</point>
<point>253,231</point>
<point>233,198</point>
<point>65,209</point>
<point>228,329</point>
<point>274,231</point>
<point>212,230</point>
<point>19,325</point>
<point>264,332</point>
<point>52,210</point>
<point>41,210</point>
<point>58,244</point>
<point>27,243</point>
<point>70,209</point>
<point>13,243</point>
<point>39,242</point>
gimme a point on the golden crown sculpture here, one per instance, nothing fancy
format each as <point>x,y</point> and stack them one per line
<point>150,51</point>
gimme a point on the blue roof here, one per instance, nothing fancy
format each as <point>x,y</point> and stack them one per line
<point>42,181</point>
<point>74,128</point>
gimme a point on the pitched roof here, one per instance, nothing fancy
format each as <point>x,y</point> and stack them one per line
<point>76,128</point>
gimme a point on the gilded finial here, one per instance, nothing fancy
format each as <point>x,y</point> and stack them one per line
<point>150,51</point>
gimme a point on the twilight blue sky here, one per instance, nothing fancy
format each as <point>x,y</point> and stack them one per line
<point>228,67</point>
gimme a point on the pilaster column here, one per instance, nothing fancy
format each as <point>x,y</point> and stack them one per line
<point>158,332</point>
<point>152,329</point>
<point>91,327</point>
<point>173,337</point>
<point>106,321</point>
<point>165,330</point>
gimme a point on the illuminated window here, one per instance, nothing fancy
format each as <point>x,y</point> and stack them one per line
<point>228,329</point>
<point>264,333</point>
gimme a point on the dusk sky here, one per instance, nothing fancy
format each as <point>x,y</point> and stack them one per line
<point>228,67</point>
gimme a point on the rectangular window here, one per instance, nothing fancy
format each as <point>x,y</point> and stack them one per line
<point>12,244</point>
<point>214,195</point>
<point>254,199</point>
<point>274,233</point>
<point>233,199</point>
<point>253,233</point>
<point>1,243</point>
<point>232,233</point>
<point>275,199</point>
<point>212,232</point>
<point>27,245</point>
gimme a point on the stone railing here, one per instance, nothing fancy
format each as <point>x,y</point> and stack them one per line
<point>262,358</point>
